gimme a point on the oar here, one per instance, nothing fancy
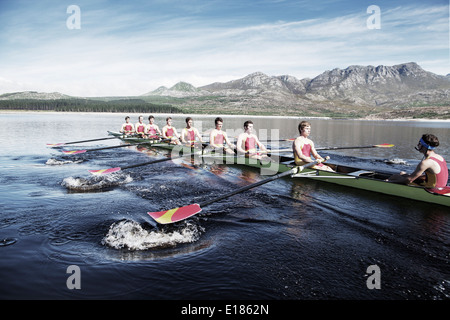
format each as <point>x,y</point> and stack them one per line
<point>81,141</point>
<point>280,140</point>
<point>117,169</point>
<point>181,213</point>
<point>274,150</point>
<point>383,145</point>
<point>104,148</point>
<point>113,147</point>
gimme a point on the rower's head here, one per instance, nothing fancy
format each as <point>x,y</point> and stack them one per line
<point>141,118</point>
<point>304,127</point>
<point>169,120</point>
<point>127,119</point>
<point>248,126</point>
<point>219,123</point>
<point>427,142</point>
<point>151,119</point>
<point>189,122</point>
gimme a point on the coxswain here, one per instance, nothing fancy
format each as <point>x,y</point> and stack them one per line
<point>127,127</point>
<point>151,129</point>
<point>303,148</point>
<point>189,133</point>
<point>170,132</point>
<point>140,127</point>
<point>217,138</point>
<point>431,172</point>
<point>248,142</point>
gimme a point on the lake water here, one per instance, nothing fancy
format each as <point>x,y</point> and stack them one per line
<point>286,240</point>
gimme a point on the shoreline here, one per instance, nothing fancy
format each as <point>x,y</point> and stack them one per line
<point>224,116</point>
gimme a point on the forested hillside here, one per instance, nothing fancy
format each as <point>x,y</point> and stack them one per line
<point>87,105</point>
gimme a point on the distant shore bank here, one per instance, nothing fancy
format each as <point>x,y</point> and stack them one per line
<point>224,115</point>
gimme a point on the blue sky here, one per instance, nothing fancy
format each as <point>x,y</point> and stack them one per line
<point>133,47</point>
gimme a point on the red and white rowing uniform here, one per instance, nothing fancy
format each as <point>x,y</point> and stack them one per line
<point>152,133</point>
<point>218,139</point>
<point>437,180</point>
<point>169,132</point>
<point>306,151</point>
<point>140,128</point>
<point>128,128</point>
<point>250,146</point>
<point>190,133</point>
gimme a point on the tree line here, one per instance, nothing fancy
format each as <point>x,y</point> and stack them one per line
<point>88,105</point>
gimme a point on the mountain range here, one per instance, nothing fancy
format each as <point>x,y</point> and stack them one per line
<point>403,90</point>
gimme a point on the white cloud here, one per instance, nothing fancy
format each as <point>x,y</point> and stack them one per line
<point>106,58</point>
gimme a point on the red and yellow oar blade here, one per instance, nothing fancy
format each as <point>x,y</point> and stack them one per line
<point>55,144</point>
<point>383,145</point>
<point>105,171</point>
<point>177,214</point>
<point>74,151</point>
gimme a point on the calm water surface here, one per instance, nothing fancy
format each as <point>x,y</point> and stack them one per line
<point>289,239</point>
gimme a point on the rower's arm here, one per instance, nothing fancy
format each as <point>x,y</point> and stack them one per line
<point>314,152</point>
<point>175,132</point>
<point>183,134</point>
<point>420,169</point>
<point>259,144</point>
<point>211,139</point>
<point>198,135</point>
<point>227,141</point>
<point>239,145</point>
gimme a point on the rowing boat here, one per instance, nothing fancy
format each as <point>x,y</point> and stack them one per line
<point>343,175</point>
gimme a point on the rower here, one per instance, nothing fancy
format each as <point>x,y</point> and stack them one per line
<point>431,172</point>
<point>303,148</point>
<point>248,142</point>
<point>127,127</point>
<point>152,129</point>
<point>170,132</point>
<point>189,133</point>
<point>217,138</point>
<point>140,127</point>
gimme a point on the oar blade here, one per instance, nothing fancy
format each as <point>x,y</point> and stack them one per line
<point>177,214</point>
<point>55,144</point>
<point>384,145</point>
<point>74,151</point>
<point>105,171</point>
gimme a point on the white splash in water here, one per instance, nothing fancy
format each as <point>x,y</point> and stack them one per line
<point>54,162</point>
<point>95,182</point>
<point>396,161</point>
<point>130,235</point>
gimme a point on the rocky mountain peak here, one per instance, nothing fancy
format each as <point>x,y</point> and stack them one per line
<point>34,95</point>
<point>355,85</point>
<point>184,86</point>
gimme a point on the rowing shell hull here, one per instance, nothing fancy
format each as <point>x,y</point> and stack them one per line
<point>381,186</point>
<point>343,175</point>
